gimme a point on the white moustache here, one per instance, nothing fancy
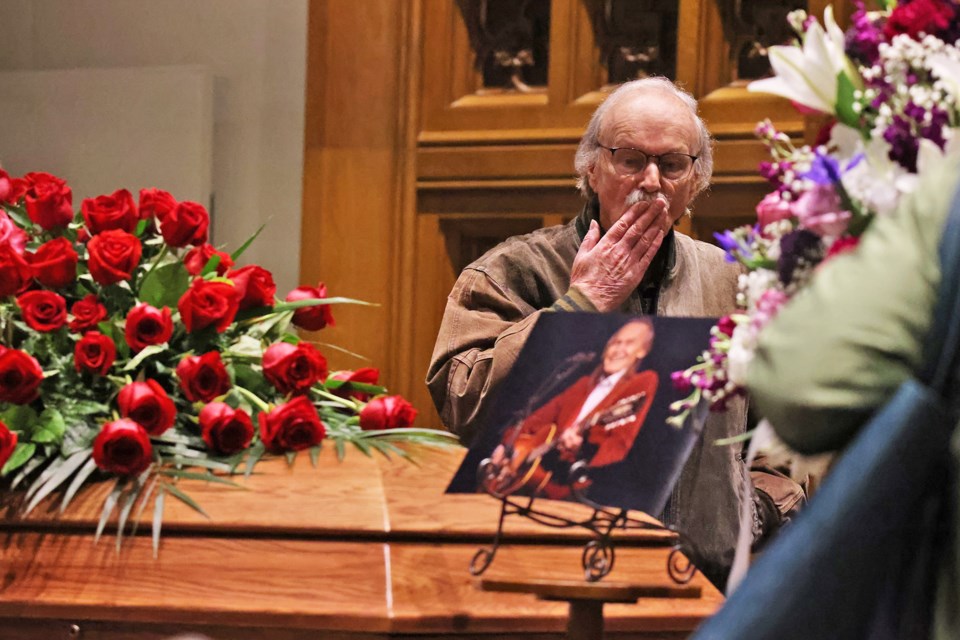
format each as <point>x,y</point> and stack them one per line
<point>639,195</point>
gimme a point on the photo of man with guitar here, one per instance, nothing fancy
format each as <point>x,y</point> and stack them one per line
<point>595,419</point>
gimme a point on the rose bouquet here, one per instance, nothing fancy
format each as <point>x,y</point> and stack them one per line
<point>889,88</point>
<point>133,350</point>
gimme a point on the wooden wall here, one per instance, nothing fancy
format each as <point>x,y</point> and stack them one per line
<point>413,166</point>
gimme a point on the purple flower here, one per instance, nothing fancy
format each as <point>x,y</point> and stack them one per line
<point>862,41</point>
<point>729,243</point>
<point>904,146</point>
<point>824,170</point>
<point>798,248</point>
<point>680,381</point>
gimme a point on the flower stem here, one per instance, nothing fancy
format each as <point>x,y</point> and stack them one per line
<point>323,393</point>
<point>156,261</point>
<point>252,397</point>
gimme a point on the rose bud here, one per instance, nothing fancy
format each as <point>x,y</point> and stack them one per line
<point>292,426</point>
<point>115,211</point>
<point>293,368</point>
<point>122,447</point>
<point>146,325</point>
<point>20,377</point>
<point>54,263</point>
<point>198,257</point>
<point>94,353</point>
<point>208,303</point>
<point>147,404</point>
<point>365,375</point>
<point>15,273</point>
<point>87,313</point>
<point>156,203</point>
<point>49,200</point>
<point>225,430</point>
<point>43,310</point>
<point>11,234</point>
<point>185,224</point>
<point>114,255</point>
<point>203,378</point>
<point>8,442</point>
<point>387,412</point>
<point>255,285</point>
<point>311,318</point>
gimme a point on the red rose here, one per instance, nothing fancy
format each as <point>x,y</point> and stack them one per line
<point>366,375</point>
<point>6,187</point>
<point>15,273</point>
<point>225,430</point>
<point>203,378</point>
<point>94,353</point>
<point>311,318</point>
<point>54,263</point>
<point>87,313</point>
<point>198,257</point>
<point>387,412</point>
<point>255,285</point>
<point>186,224</point>
<point>43,310</point>
<point>292,426</point>
<point>208,303</point>
<point>114,255</point>
<point>293,368</point>
<point>156,203</point>
<point>115,211</point>
<point>122,447</point>
<point>20,377</point>
<point>147,404</point>
<point>49,200</point>
<point>932,17</point>
<point>11,234</point>
<point>146,325</point>
<point>8,442</point>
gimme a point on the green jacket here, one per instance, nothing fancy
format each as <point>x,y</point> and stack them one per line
<point>843,345</point>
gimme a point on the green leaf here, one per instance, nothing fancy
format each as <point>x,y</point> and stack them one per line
<point>239,252</point>
<point>341,449</point>
<point>50,427</point>
<point>256,452</point>
<point>164,286</point>
<point>129,498</point>
<point>157,522</point>
<point>109,504</point>
<point>21,454</point>
<point>77,482</point>
<point>211,265</point>
<point>52,477</point>
<point>214,465</point>
<point>141,227</point>
<point>20,418</point>
<point>313,302</point>
<point>363,446</point>
<point>147,351</point>
<point>845,101</point>
<point>19,216</point>
<point>315,455</point>
<point>143,503</point>
<point>27,469</point>
<point>291,456</point>
<point>185,499</point>
<point>737,439</point>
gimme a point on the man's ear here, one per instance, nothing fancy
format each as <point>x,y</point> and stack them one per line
<point>592,176</point>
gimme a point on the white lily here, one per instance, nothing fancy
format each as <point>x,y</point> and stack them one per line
<point>808,74</point>
<point>948,71</point>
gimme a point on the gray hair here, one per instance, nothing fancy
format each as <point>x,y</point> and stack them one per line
<point>589,149</point>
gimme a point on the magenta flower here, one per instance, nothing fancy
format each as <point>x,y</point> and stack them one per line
<point>820,211</point>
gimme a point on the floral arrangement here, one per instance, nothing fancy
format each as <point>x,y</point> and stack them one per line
<point>131,349</point>
<point>889,88</point>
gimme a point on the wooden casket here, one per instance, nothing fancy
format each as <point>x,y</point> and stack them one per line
<point>354,550</point>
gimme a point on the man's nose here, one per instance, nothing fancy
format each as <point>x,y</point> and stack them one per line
<point>649,178</point>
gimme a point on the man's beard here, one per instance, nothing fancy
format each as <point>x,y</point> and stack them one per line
<point>639,195</point>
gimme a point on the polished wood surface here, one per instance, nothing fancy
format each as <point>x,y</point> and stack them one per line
<point>366,548</point>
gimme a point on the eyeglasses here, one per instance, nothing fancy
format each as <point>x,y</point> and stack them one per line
<point>628,162</point>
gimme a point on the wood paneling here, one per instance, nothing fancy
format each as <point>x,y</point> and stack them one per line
<point>408,156</point>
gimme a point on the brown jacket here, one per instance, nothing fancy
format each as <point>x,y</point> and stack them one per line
<point>498,298</point>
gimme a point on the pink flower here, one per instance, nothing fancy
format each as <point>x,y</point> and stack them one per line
<point>772,209</point>
<point>11,234</point>
<point>819,210</point>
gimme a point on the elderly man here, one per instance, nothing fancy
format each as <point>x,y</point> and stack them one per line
<point>596,419</point>
<point>643,159</point>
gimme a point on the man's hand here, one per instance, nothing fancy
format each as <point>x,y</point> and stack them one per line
<point>570,441</point>
<point>607,269</point>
